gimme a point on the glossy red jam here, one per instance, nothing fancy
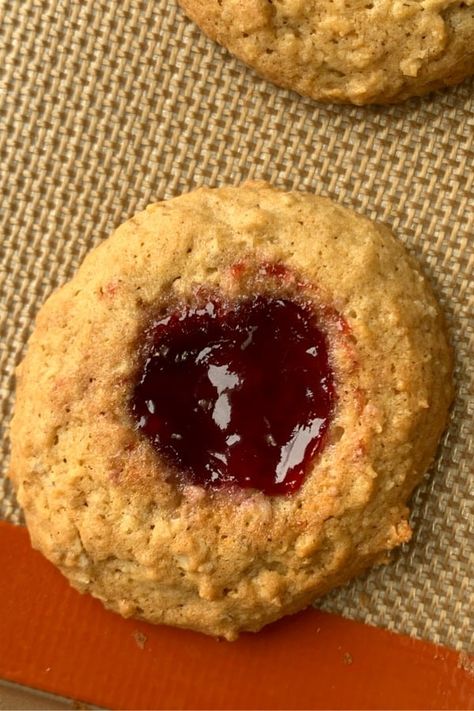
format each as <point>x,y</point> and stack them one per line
<point>237,394</point>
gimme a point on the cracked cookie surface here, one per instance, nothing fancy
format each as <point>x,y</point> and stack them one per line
<point>103,506</point>
<point>353,51</point>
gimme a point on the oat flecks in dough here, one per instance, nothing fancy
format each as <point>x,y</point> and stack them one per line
<point>97,499</point>
<point>358,51</point>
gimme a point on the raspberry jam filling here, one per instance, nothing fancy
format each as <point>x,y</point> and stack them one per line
<point>237,394</point>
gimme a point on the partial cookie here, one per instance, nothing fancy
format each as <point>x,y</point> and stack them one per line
<point>222,416</point>
<point>382,51</point>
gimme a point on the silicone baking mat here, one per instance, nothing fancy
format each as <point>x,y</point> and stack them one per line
<point>107,106</point>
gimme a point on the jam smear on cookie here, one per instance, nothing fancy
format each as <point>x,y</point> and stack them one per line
<point>237,394</point>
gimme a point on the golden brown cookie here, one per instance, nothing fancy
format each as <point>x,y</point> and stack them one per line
<point>222,415</point>
<point>353,51</point>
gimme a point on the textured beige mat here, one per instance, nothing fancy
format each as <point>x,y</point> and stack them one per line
<point>107,106</point>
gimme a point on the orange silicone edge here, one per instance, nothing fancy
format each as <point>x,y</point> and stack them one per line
<point>55,639</point>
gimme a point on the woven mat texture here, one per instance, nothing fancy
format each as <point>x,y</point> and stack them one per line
<point>107,106</point>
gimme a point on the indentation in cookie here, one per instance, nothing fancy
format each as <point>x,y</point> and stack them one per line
<point>237,393</point>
